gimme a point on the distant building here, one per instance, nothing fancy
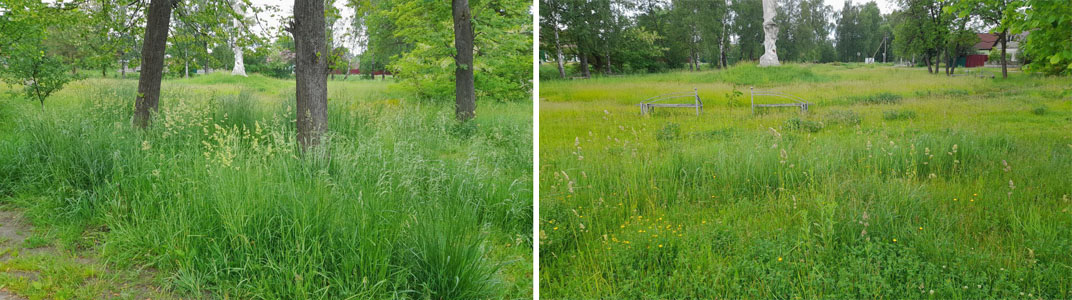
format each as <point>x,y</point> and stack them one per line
<point>987,43</point>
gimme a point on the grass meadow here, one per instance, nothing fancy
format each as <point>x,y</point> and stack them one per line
<point>896,184</point>
<point>217,200</point>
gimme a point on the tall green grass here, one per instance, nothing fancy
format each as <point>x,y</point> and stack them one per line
<point>962,194</point>
<point>218,198</point>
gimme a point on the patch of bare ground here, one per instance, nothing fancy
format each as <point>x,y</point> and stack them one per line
<point>32,269</point>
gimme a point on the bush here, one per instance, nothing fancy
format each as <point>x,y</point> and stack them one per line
<point>846,117</point>
<point>804,125</point>
<point>750,74</point>
<point>670,131</point>
<point>898,115</point>
<point>880,98</point>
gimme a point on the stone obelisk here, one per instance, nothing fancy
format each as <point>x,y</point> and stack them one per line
<point>770,34</point>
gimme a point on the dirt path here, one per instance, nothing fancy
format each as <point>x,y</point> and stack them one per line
<point>31,268</point>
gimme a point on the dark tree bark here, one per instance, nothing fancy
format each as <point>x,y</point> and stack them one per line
<point>152,65</point>
<point>1004,62</point>
<point>606,63</point>
<point>692,67</point>
<point>311,70</point>
<point>584,65</point>
<point>927,61</point>
<point>464,90</point>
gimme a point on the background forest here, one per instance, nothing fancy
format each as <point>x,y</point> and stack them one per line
<point>630,36</point>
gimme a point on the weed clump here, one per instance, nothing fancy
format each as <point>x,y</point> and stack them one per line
<point>880,98</point>
<point>804,125</point>
<point>747,74</point>
<point>1041,110</point>
<point>846,117</point>
<point>891,115</point>
<point>669,132</point>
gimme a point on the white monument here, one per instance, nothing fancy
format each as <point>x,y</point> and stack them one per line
<point>239,64</point>
<point>770,34</point>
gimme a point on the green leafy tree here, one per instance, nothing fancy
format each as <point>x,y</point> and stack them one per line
<point>424,59</point>
<point>24,58</point>
<point>1048,25</point>
<point>748,27</point>
<point>924,31</point>
<point>1001,14</point>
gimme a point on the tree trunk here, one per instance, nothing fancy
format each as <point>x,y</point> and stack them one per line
<point>464,91</point>
<point>558,55</point>
<point>152,66</point>
<point>104,71</point>
<point>927,61</point>
<point>606,63</point>
<point>692,59</point>
<point>186,67</point>
<point>123,70</point>
<point>311,67</point>
<point>947,63</point>
<point>584,65</point>
<point>696,59</point>
<point>1004,63</point>
<point>347,76</point>
<point>722,46</point>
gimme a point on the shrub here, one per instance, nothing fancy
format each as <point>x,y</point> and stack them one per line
<point>670,131</point>
<point>880,98</point>
<point>804,125</point>
<point>898,115</point>
<point>846,117</point>
<point>750,74</point>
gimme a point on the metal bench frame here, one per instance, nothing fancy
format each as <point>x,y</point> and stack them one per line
<point>977,73</point>
<point>803,104</point>
<point>648,105</point>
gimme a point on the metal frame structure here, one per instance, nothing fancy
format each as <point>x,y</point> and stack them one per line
<point>976,73</point>
<point>800,102</point>
<point>648,105</point>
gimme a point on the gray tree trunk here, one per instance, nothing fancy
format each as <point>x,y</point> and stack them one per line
<point>606,64</point>
<point>311,68</point>
<point>464,90</point>
<point>558,55</point>
<point>348,63</point>
<point>584,65</point>
<point>722,45</point>
<point>152,65</point>
<point>186,65</point>
<point>1004,62</point>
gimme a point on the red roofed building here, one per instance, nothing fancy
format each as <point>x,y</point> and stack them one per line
<point>982,50</point>
<point>988,42</point>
